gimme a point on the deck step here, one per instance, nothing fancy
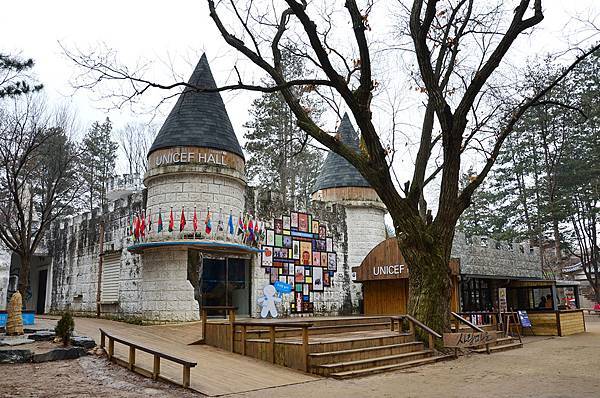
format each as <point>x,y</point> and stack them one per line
<point>498,348</point>
<point>388,368</point>
<point>328,368</point>
<point>316,330</point>
<point>318,358</point>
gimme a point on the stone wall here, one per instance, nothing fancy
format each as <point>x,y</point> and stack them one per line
<point>74,247</point>
<point>484,256</point>
<point>182,187</point>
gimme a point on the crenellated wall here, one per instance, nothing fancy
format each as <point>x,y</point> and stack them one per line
<point>485,256</point>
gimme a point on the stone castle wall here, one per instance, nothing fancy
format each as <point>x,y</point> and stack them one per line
<point>74,247</point>
<point>484,256</point>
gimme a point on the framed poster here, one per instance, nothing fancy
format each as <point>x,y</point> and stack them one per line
<point>329,244</point>
<point>316,259</point>
<point>324,258</point>
<point>318,279</point>
<point>302,222</point>
<point>296,250</point>
<point>322,232</point>
<point>331,262</point>
<point>326,281</point>
<point>286,221</point>
<point>299,278</point>
<point>287,241</point>
<point>267,256</point>
<point>315,227</point>
<point>294,220</point>
<point>270,237</point>
<point>305,253</point>
<point>278,226</point>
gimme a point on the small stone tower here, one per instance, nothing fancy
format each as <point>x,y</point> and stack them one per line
<point>339,182</point>
<point>195,161</point>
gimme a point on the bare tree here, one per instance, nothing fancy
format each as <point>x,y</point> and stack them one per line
<point>457,46</point>
<point>39,181</point>
<point>135,140</point>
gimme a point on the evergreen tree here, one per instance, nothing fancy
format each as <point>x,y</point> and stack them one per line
<point>280,155</point>
<point>14,79</point>
<point>99,162</point>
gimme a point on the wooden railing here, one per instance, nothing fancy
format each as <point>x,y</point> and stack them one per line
<point>229,313</point>
<point>488,317</point>
<point>130,363</point>
<point>272,335</point>
<point>412,322</point>
<point>459,318</point>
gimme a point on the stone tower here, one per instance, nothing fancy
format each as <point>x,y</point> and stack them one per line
<point>195,161</point>
<point>339,182</point>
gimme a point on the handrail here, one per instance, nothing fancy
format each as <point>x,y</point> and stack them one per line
<point>156,354</point>
<point>229,313</point>
<point>415,322</point>
<point>272,325</point>
<point>463,320</point>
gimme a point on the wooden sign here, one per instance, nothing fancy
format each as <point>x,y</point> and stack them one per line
<point>463,340</point>
<point>385,261</point>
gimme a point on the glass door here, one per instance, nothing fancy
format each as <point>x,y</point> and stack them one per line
<point>224,282</point>
<point>214,283</point>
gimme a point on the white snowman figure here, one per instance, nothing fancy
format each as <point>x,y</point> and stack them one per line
<point>268,302</point>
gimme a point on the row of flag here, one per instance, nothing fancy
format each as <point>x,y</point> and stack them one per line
<point>248,231</point>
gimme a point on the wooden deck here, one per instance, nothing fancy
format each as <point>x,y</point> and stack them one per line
<point>218,372</point>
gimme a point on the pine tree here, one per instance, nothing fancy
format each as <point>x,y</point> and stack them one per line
<point>100,153</point>
<point>14,79</point>
<point>280,155</point>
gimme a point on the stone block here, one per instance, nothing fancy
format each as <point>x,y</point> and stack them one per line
<point>15,356</point>
<point>83,341</point>
<point>58,354</point>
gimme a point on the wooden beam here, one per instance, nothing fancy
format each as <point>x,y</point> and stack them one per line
<point>272,342</point>
<point>186,376</point>
<point>131,361</point>
<point>305,350</point>
<point>156,367</point>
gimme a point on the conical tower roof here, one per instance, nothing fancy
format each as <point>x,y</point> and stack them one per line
<point>337,171</point>
<point>198,118</point>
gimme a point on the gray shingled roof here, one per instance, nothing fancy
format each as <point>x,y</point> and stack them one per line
<point>198,118</point>
<point>337,171</point>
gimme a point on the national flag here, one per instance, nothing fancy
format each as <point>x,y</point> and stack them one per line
<point>250,231</point>
<point>182,220</point>
<point>150,220</point>
<point>195,221</point>
<point>143,226</point>
<point>136,227</point>
<point>220,227</point>
<point>159,225</point>
<point>171,221</point>
<point>230,224</point>
<point>256,231</point>
<point>131,226</point>
<point>240,230</point>
<point>208,222</point>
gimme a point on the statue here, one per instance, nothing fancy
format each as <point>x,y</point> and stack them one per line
<point>14,323</point>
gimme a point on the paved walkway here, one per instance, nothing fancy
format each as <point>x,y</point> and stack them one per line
<point>218,372</point>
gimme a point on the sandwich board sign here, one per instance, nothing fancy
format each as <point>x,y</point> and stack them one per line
<point>524,319</point>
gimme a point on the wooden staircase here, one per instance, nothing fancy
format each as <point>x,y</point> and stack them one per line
<point>340,347</point>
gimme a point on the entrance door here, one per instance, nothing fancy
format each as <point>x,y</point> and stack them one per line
<point>226,282</point>
<point>385,297</point>
<point>41,293</point>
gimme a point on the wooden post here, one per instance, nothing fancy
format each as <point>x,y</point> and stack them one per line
<point>305,347</point>
<point>131,361</point>
<point>272,342</point>
<point>156,367</point>
<point>431,344</point>
<point>391,324</point>
<point>111,347</point>
<point>232,328</point>
<point>411,327</point>
<point>204,318</point>
<point>243,339</point>
<point>487,348</point>
<point>186,376</point>
<point>102,338</point>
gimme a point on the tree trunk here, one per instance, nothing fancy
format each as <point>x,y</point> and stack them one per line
<point>429,279</point>
<point>24,276</point>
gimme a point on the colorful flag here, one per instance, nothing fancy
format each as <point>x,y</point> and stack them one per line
<point>208,222</point>
<point>250,231</point>
<point>159,226</point>
<point>171,221</point>
<point>230,224</point>
<point>256,231</point>
<point>131,226</point>
<point>240,230</point>
<point>136,227</point>
<point>195,221</point>
<point>143,226</point>
<point>182,220</point>
<point>220,227</point>
<point>150,221</point>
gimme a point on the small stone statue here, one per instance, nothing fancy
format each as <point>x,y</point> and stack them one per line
<point>14,323</point>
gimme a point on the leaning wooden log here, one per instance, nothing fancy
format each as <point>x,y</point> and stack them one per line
<point>14,323</point>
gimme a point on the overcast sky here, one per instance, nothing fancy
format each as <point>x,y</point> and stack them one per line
<point>173,34</point>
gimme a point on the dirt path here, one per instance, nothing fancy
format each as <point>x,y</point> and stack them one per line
<point>553,367</point>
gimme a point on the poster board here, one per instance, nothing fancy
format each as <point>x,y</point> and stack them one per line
<point>298,252</point>
<point>524,319</point>
<point>502,303</point>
